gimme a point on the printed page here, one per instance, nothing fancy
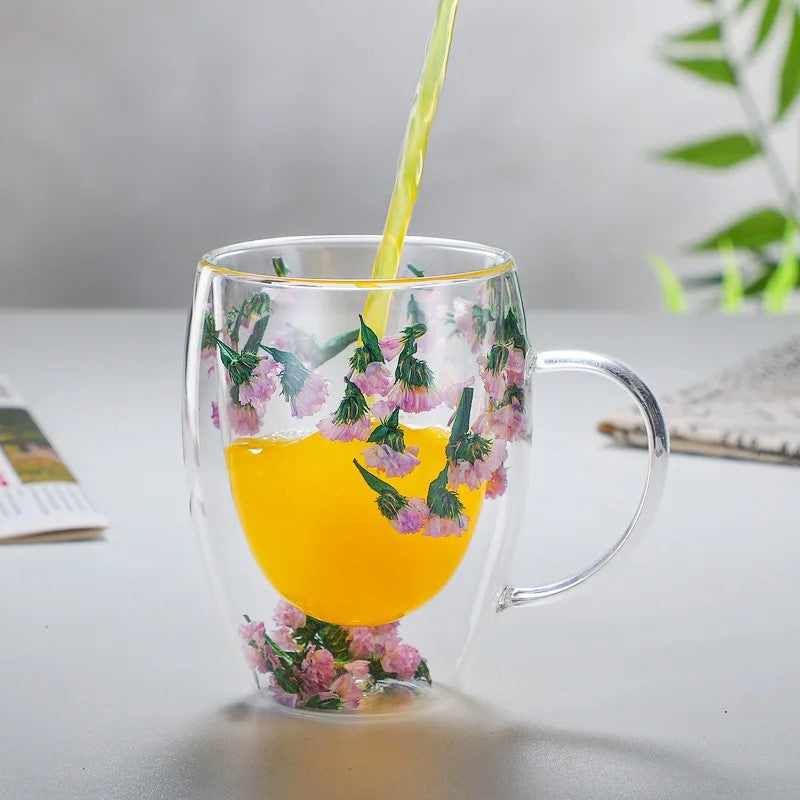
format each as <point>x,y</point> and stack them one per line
<point>39,496</point>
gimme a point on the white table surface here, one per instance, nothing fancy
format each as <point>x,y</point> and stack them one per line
<point>677,676</point>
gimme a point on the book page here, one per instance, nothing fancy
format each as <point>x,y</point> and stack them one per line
<point>39,496</point>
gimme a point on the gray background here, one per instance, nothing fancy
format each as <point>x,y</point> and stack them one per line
<point>136,136</point>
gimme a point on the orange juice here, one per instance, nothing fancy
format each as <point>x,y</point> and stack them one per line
<point>317,534</point>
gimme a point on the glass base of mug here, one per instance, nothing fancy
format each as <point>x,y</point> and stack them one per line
<point>389,697</point>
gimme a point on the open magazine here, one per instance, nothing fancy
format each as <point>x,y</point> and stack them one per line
<point>750,411</point>
<point>40,500</point>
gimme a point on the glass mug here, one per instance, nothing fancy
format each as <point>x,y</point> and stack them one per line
<point>358,453</point>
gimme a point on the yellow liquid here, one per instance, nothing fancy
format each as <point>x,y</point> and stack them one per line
<point>317,534</point>
<point>411,161</point>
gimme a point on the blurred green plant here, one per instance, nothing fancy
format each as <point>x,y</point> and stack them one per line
<point>759,249</point>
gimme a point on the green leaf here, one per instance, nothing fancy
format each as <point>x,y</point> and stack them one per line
<point>423,673</point>
<point>279,652</point>
<point>416,316</point>
<point>512,333</point>
<point>754,230</point>
<point>353,405</point>
<point>374,482</point>
<point>389,433</point>
<point>294,373</point>
<point>279,265</point>
<point>672,294</point>
<point>708,33</point>
<point>335,638</point>
<point>370,341</point>
<point>461,421</point>
<point>756,287</point>
<point>256,335</point>
<point>328,704</point>
<point>732,291</point>
<point>333,347</point>
<point>718,153</point>
<point>767,24</point>
<point>743,4</point>
<point>790,73</point>
<point>442,501</point>
<point>716,70</point>
<point>418,272</point>
<point>785,278</point>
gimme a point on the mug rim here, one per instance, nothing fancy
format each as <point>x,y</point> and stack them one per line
<point>504,262</point>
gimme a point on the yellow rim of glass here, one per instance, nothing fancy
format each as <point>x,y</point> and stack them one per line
<point>505,263</point>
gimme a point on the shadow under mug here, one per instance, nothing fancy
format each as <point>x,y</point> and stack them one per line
<point>358,455</point>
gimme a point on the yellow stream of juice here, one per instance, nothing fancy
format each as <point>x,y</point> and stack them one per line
<point>317,534</point>
<point>411,161</point>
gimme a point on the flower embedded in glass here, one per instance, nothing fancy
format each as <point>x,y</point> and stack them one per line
<point>318,665</point>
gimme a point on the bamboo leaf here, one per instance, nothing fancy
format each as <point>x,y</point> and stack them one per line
<point>754,230</point>
<point>785,278</point>
<point>716,70</point>
<point>756,286</point>
<point>732,291</point>
<point>672,294</point>
<point>708,33</point>
<point>767,24</point>
<point>720,152</point>
<point>790,73</point>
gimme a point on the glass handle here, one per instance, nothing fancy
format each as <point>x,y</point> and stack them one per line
<point>658,450</point>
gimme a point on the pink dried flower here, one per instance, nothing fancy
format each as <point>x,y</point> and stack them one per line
<point>402,660</point>
<point>262,383</point>
<point>438,527</point>
<point>515,367</point>
<point>349,691</point>
<point>387,631</point>
<point>391,346</point>
<point>244,419</point>
<point>512,372</point>
<point>372,642</point>
<point>382,409</point>
<point>317,671</point>
<point>474,474</point>
<point>283,340</point>
<point>215,414</point>
<point>494,384</point>
<point>376,379</point>
<point>412,517</point>
<point>311,396</point>
<point>254,645</point>
<point>358,669</point>
<point>288,615</point>
<point>452,394</point>
<point>347,431</point>
<point>361,642</point>
<point>507,422</point>
<point>283,638</point>
<point>384,459</point>
<point>497,483</point>
<point>283,697</point>
<point>414,399</point>
<point>462,316</point>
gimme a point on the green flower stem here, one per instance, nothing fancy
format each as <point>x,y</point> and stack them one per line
<point>753,116</point>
